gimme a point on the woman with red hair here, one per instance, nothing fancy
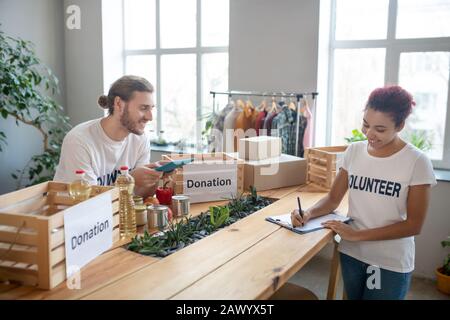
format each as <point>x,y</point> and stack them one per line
<point>389,183</point>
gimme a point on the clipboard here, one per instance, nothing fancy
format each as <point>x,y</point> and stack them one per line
<point>284,220</point>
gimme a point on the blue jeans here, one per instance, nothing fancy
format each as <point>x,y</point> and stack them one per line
<point>365,282</point>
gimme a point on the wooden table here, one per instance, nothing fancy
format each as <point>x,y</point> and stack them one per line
<point>249,259</point>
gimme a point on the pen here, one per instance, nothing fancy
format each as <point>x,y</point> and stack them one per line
<point>300,208</point>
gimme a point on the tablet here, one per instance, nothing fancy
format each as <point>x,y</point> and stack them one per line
<point>170,166</point>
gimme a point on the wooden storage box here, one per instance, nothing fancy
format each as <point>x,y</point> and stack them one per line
<point>322,164</point>
<point>219,158</point>
<point>32,246</point>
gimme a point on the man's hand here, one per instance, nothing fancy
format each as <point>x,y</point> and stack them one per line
<point>158,164</point>
<point>145,177</point>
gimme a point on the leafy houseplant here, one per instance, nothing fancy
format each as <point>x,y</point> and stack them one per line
<point>24,79</point>
<point>218,215</point>
<point>420,139</point>
<point>417,138</point>
<point>443,273</point>
<point>356,136</point>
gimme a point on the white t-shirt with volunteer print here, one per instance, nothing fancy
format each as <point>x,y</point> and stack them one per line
<point>87,147</point>
<point>378,191</point>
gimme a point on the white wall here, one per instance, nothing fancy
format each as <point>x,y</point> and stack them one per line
<point>42,23</point>
<point>84,63</point>
<point>429,253</point>
<point>273,45</point>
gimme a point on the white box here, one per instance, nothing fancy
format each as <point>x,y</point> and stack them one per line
<point>259,148</point>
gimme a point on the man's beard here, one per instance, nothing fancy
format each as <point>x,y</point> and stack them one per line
<point>129,124</point>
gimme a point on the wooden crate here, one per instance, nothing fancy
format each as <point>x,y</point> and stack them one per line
<point>198,158</point>
<point>322,165</point>
<point>32,246</point>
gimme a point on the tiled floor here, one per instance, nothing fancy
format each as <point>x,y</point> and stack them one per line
<point>314,276</point>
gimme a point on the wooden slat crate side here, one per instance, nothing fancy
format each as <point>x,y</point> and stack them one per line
<point>240,178</point>
<point>58,274</point>
<point>43,254</point>
<point>18,254</point>
<point>14,235</point>
<point>15,197</point>
<point>321,167</point>
<point>27,277</point>
<point>32,206</point>
<point>57,255</point>
<point>18,220</point>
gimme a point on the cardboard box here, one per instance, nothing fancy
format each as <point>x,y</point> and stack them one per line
<point>278,172</point>
<point>259,148</point>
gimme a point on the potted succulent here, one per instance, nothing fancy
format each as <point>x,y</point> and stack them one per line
<point>443,272</point>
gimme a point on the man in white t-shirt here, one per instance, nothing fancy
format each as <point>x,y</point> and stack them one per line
<point>101,146</point>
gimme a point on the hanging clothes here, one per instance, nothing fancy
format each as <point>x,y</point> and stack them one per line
<point>259,122</point>
<point>268,121</point>
<point>283,126</point>
<point>302,123</point>
<point>228,129</point>
<point>306,111</point>
<point>246,120</point>
<point>216,138</point>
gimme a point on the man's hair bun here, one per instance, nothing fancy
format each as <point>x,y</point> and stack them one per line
<point>103,101</point>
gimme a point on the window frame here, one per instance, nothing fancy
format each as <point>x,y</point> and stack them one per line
<point>394,47</point>
<point>198,50</point>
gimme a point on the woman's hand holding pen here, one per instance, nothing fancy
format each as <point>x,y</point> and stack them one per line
<point>297,220</point>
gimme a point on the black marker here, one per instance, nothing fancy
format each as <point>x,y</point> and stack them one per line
<point>300,208</point>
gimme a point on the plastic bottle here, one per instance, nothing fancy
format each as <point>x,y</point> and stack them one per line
<point>80,189</point>
<point>125,183</point>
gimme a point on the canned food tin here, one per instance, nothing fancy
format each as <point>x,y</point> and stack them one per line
<point>157,216</point>
<point>141,215</point>
<point>180,205</point>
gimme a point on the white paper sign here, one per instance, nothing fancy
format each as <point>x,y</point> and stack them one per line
<point>88,231</point>
<point>207,182</point>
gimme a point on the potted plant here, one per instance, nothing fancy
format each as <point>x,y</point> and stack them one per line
<point>443,272</point>
<point>27,87</point>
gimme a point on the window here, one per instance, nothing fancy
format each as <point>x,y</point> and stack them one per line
<point>180,46</point>
<point>375,43</point>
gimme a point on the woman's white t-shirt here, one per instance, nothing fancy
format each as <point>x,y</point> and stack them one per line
<point>378,191</point>
<point>87,147</point>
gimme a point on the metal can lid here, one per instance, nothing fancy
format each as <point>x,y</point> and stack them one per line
<point>180,197</point>
<point>157,207</point>
<point>140,207</point>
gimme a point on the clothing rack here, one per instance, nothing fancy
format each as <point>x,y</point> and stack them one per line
<point>297,95</point>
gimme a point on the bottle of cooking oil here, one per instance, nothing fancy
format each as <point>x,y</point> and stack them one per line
<point>80,189</point>
<point>125,183</point>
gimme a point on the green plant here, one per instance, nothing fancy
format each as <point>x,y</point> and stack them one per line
<point>446,266</point>
<point>190,229</point>
<point>24,79</point>
<point>210,117</point>
<point>218,215</point>
<point>419,139</point>
<point>356,136</point>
